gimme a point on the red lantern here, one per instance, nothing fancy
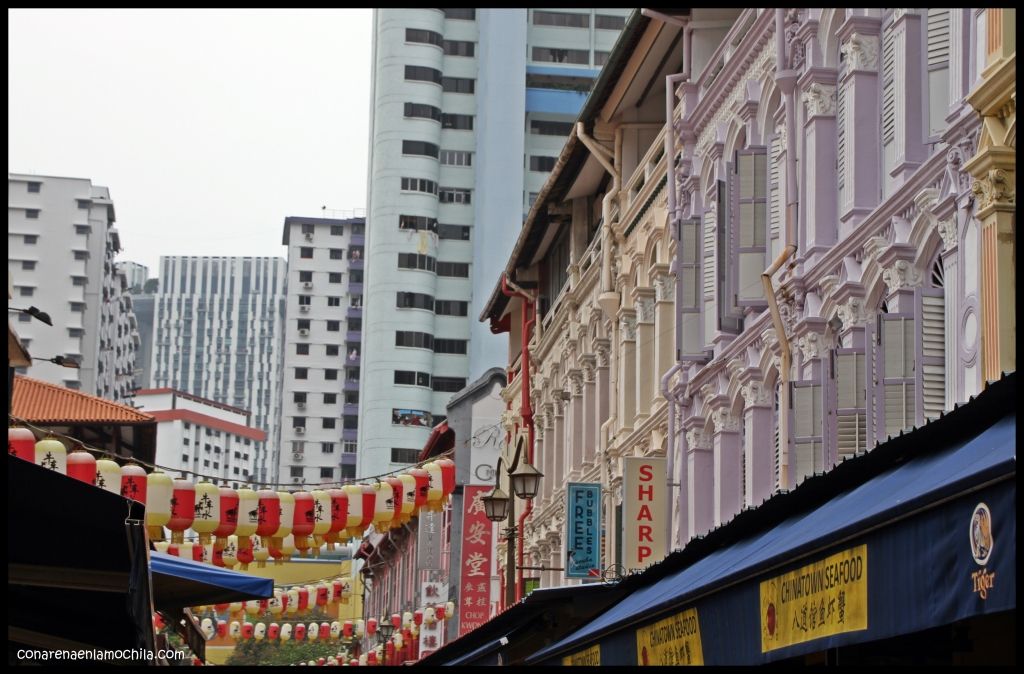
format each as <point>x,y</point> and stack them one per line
<point>220,608</point>
<point>247,630</point>
<point>303,520</point>
<point>303,598</point>
<point>274,631</point>
<point>447,475</point>
<point>439,611</point>
<point>369,506</point>
<point>325,631</point>
<point>338,587</point>
<point>222,628</point>
<point>339,516</point>
<point>422,478</point>
<point>134,482</point>
<point>228,516</point>
<point>81,465</point>
<point>21,442</point>
<point>396,620</point>
<point>269,514</point>
<point>321,594</point>
<point>371,626</point>
<point>417,617</point>
<point>396,497</point>
<point>346,628</point>
<point>320,661</point>
<point>218,557</point>
<point>389,650</point>
<point>371,658</point>
<point>244,556</point>
<point>183,503</point>
<point>300,632</point>
<point>353,663</point>
<point>197,552</point>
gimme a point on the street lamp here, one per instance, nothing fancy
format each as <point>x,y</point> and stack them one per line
<point>498,506</point>
<point>63,361</point>
<point>35,313</point>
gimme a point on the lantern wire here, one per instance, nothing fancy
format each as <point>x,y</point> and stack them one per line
<point>78,444</point>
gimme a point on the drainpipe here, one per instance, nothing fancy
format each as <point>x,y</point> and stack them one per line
<point>529,318</point>
<point>786,80</point>
<point>608,303</point>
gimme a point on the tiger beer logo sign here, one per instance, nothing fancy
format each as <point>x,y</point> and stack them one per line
<point>982,542</point>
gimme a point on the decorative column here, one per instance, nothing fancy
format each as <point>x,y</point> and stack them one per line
<point>574,443</point>
<point>559,445</point>
<point>863,142</point>
<point>664,326</point>
<point>591,425</point>
<point>818,203</point>
<point>681,518</point>
<point>551,447</point>
<point>728,472</point>
<point>627,368</point>
<point>700,473</point>
<point>646,378</point>
<point>758,442</point>
<point>994,169</point>
<point>603,388</point>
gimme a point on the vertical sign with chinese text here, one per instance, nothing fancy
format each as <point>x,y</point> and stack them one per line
<point>432,636</point>
<point>428,541</point>
<point>583,539</point>
<point>475,589</point>
<point>644,511</point>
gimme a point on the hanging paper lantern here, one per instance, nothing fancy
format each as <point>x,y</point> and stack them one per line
<point>389,651</point>
<point>361,662</point>
<point>322,518</point>
<point>335,629</point>
<point>273,631</point>
<point>394,501</point>
<point>286,632</point>
<point>321,594</point>
<point>371,658</point>
<point>292,606</point>
<point>331,598</point>
<point>430,616</point>
<point>369,506</point>
<point>108,475</point>
<point>51,453</point>
<point>285,599</point>
<point>371,626</point>
<point>274,605</point>
<point>252,607</point>
<point>346,589</point>
<point>325,631</point>
<point>247,630</point>
<point>269,514</point>
<point>218,556</point>
<point>245,556</point>
<point>185,549</point>
<point>287,517</point>
<point>248,515</point>
<point>302,519</point>
<point>220,608</point>
<point>207,628</point>
<point>396,620</point>
<point>235,629</point>
<point>222,628</point>
<point>339,517</point>
<point>206,511</point>
<point>183,505</point>
<point>163,546</point>
<point>228,498</point>
<point>287,547</point>
<point>417,617</point>
<point>229,555</point>
<point>346,628</point>
<point>360,628</point>
<point>407,619</point>
<point>300,632</point>
<point>450,608</point>
<point>21,442</point>
<point>435,492</point>
<point>408,497</point>
<point>303,598</point>
<point>134,482</point>
<point>447,476</point>
<point>202,553</point>
<point>336,590</point>
<point>398,639</point>
<point>422,478</point>
<point>81,465</point>
<point>259,632</point>
<point>260,552</point>
<point>355,509</point>
<point>159,492</point>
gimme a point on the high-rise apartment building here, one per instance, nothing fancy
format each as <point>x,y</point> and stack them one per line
<point>217,334</point>
<point>322,349</point>
<point>136,274</point>
<point>471,108</point>
<point>61,244</point>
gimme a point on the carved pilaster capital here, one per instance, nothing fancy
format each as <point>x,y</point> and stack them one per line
<point>995,188</point>
<point>755,394</point>
<point>588,362</point>
<point>725,421</point>
<point>947,231</point>
<point>901,275</point>
<point>861,52</point>
<point>820,99</point>
<point>664,288</point>
<point>627,325</point>
<point>696,438</point>
<point>810,345</point>
<point>601,350</point>
<point>645,310</point>
<point>851,313</point>
<point>576,381</point>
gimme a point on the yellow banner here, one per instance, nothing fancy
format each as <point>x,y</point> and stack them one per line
<point>672,641</point>
<point>819,600</point>
<point>590,656</point>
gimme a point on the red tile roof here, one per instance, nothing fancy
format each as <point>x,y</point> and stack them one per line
<point>44,403</point>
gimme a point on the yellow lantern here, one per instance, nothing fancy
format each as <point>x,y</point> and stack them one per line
<point>207,510</point>
<point>293,601</point>
<point>429,616</point>
<point>321,518</point>
<point>161,546</point>
<point>287,505</point>
<point>312,631</point>
<point>260,631</point>
<point>252,607</point>
<point>248,515</point>
<point>235,629</point>
<point>407,620</point>
<point>230,553</point>
<point>185,550</point>
<point>384,510</point>
<point>108,475</point>
<point>51,453</point>
<point>159,490</point>
<point>355,509</point>
<point>435,493</point>
<point>449,608</point>
<point>335,630</point>
<point>287,549</point>
<point>260,552</point>
<point>274,604</point>
<point>286,632</point>
<point>360,628</point>
<point>208,628</point>
<point>408,496</point>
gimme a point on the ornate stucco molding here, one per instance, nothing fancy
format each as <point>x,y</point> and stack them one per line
<point>696,438</point>
<point>901,275</point>
<point>627,325</point>
<point>861,52</point>
<point>994,189</point>
<point>755,394</point>
<point>576,382</point>
<point>852,313</point>
<point>820,99</point>
<point>664,288</point>
<point>725,421</point>
<point>588,362</point>
<point>601,347</point>
<point>810,346</point>
<point>947,231</point>
<point>644,310</point>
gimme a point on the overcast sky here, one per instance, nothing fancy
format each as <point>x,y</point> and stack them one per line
<point>208,126</point>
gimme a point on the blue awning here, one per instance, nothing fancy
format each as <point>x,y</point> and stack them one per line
<point>475,656</point>
<point>904,493</point>
<point>181,582</point>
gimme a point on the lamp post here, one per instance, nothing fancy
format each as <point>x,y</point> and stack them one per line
<point>524,482</point>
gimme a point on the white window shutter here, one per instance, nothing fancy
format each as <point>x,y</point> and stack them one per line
<point>898,367</point>
<point>938,37</point>
<point>851,397</point>
<point>933,353</point>
<point>841,145</point>
<point>807,424</point>
<point>775,188</point>
<point>752,234</point>
<point>888,85</point>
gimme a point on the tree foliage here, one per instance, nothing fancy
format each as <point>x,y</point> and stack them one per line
<point>266,652</point>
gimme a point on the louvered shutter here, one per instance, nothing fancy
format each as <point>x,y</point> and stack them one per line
<point>807,433</point>
<point>775,188</point>
<point>710,315</point>
<point>933,352</point>
<point>728,194</point>
<point>898,367</point>
<point>851,397</point>
<point>888,85</point>
<point>938,37</point>
<point>778,451</point>
<point>938,69</point>
<point>841,145</point>
<point>689,299</point>
<point>752,165</point>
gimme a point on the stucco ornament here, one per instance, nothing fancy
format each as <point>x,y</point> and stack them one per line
<point>810,345</point>
<point>820,99</point>
<point>756,394</point>
<point>901,275</point>
<point>627,324</point>
<point>947,230</point>
<point>725,421</point>
<point>576,382</point>
<point>645,310</point>
<point>664,288</point>
<point>861,52</point>
<point>851,313</point>
<point>994,189</point>
<point>696,438</point>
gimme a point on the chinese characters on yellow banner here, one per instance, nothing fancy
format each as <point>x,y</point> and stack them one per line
<point>819,600</point>
<point>672,641</point>
<point>588,657</point>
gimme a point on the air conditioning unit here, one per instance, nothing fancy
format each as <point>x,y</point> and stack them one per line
<point>297,480</point>
<point>300,430</point>
<point>297,456</point>
<point>307,285</point>
<point>304,332</point>
<point>304,308</point>
<point>301,406</point>
<point>309,236</point>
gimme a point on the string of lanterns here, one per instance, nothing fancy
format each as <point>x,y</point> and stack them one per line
<point>242,526</point>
